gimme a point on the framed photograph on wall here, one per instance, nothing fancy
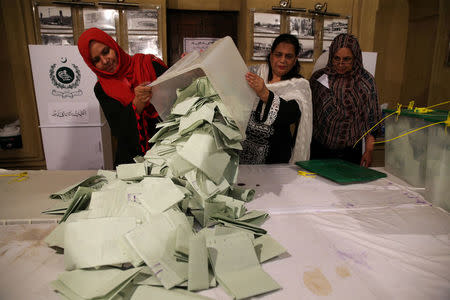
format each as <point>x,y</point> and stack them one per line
<point>301,27</point>
<point>306,49</point>
<point>146,44</point>
<point>55,17</point>
<point>266,23</point>
<point>334,27</point>
<point>60,39</point>
<point>261,46</point>
<point>144,19</point>
<point>197,43</point>
<point>104,19</point>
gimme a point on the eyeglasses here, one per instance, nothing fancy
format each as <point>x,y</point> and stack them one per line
<point>288,56</point>
<point>342,60</point>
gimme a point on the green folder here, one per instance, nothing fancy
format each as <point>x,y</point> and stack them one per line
<point>340,171</point>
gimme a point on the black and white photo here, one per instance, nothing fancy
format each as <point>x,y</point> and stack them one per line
<point>145,19</point>
<point>301,27</point>
<point>266,23</point>
<point>334,27</point>
<point>104,19</point>
<point>261,47</point>
<point>146,44</point>
<point>57,39</point>
<point>306,49</point>
<point>55,17</point>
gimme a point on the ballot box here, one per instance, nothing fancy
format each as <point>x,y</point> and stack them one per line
<point>225,69</point>
<point>421,158</point>
<point>75,133</point>
<point>437,181</point>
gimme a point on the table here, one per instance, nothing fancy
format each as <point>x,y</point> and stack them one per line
<point>376,240</point>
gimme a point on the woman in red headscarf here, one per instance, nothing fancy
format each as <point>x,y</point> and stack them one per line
<point>122,92</point>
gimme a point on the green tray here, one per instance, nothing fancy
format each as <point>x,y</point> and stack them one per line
<point>340,171</point>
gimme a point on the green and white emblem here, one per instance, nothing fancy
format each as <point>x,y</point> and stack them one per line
<point>65,78</point>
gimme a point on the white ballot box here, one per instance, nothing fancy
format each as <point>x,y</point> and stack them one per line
<point>225,69</point>
<point>421,158</point>
<point>75,133</point>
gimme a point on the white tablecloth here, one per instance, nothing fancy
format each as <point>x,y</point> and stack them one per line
<point>377,240</point>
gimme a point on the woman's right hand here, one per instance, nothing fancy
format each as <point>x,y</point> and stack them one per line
<point>258,85</point>
<point>142,95</point>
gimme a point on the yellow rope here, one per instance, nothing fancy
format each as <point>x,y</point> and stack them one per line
<point>398,111</point>
<point>373,127</point>
<point>438,104</point>
<point>406,133</point>
<point>20,176</point>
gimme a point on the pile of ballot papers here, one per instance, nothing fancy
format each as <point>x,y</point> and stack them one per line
<point>172,223</point>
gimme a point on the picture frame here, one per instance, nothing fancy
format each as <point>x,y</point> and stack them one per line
<point>104,19</point>
<point>55,17</point>
<point>306,50</point>
<point>332,27</point>
<point>262,46</point>
<point>146,44</point>
<point>266,23</point>
<point>62,39</point>
<point>301,27</point>
<point>142,19</point>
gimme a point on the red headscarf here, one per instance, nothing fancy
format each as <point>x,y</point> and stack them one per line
<point>131,70</point>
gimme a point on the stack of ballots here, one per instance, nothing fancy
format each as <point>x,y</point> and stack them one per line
<point>173,222</point>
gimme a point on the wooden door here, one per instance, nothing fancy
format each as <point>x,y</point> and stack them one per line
<point>190,23</point>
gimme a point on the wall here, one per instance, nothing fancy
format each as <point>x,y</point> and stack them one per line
<point>439,90</point>
<point>390,42</point>
<point>423,23</point>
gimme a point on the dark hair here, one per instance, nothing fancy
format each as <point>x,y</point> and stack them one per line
<point>288,39</point>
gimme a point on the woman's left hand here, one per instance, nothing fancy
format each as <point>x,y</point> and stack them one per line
<point>366,159</point>
<point>258,85</point>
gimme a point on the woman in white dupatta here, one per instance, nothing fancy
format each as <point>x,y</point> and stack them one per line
<point>284,98</point>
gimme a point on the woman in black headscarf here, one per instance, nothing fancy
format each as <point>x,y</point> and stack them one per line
<point>345,105</point>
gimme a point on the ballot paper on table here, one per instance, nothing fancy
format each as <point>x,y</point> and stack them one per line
<point>94,242</point>
<point>198,274</point>
<point>236,266</point>
<point>131,171</point>
<point>93,284</point>
<point>159,194</point>
<point>201,151</point>
<point>67,193</point>
<point>144,292</point>
<point>150,241</point>
<point>267,248</point>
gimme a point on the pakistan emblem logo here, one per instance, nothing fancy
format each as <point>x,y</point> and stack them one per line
<point>66,78</point>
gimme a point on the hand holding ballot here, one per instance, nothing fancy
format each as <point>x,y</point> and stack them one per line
<point>143,94</point>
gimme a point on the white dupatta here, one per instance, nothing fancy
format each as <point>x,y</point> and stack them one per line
<point>294,89</point>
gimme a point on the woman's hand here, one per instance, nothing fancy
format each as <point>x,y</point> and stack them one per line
<point>142,96</point>
<point>366,159</point>
<point>258,85</point>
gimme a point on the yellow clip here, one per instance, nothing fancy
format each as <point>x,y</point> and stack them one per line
<point>20,177</point>
<point>411,105</point>
<point>306,174</point>
<point>422,110</point>
<point>399,110</point>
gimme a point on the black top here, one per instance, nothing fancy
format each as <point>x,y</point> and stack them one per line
<point>123,123</point>
<point>269,139</point>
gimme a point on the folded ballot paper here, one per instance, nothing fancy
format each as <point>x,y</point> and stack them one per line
<point>172,223</point>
